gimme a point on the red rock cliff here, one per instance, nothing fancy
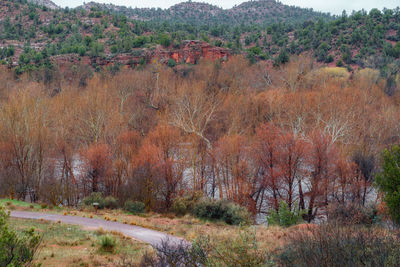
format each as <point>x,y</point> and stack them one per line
<point>190,52</point>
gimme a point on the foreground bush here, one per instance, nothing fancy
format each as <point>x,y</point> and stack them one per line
<point>104,203</point>
<point>16,249</point>
<point>107,243</point>
<point>354,214</point>
<point>332,245</point>
<point>110,203</point>
<point>240,251</point>
<point>186,204</point>
<point>315,246</point>
<point>179,207</point>
<point>182,254</point>
<point>135,207</point>
<point>228,212</point>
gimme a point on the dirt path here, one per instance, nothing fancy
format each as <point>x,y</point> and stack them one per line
<point>151,237</point>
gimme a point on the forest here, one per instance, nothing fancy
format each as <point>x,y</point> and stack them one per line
<point>261,135</point>
<point>37,38</point>
<point>305,135</point>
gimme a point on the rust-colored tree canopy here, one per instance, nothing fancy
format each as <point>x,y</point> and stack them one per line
<point>253,134</point>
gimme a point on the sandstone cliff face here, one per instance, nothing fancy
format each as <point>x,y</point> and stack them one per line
<point>190,52</point>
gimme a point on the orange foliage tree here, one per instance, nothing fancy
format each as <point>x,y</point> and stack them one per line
<point>235,178</point>
<point>98,163</point>
<point>255,135</point>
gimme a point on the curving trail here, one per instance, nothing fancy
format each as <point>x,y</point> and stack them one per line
<point>151,237</point>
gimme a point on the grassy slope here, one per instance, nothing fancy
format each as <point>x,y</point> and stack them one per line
<point>67,245</point>
<point>17,203</point>
<point>187,227</point>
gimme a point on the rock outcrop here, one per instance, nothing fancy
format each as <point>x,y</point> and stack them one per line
<point>190,52</point>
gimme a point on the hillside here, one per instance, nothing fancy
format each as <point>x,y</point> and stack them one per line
<point>261,135</point>
<point>360,40</point>
<point>34,37</point>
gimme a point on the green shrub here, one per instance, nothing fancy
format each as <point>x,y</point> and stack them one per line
<point>388,181</point>
<point>236,215</point>
<point>282,58</point>
<point>95,197</point>
<point>329,59</point>
<point>221,210</point>
<point>284,216</point>
<point>43,206</point>
<point>218,43</point>
<point>104,203</point>
<point>179,207</point>
<point>135,207</point>
<point>107,243</point>
<point>264,56</point>
<point>16,249</point>
<point>171,63</point>
<point>110,203</point>
<point>339,63</point>
<point>255,50</point>
<point>185,204</point>
<point>164,40</point>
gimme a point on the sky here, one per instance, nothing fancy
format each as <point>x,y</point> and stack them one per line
<point>332,6</point>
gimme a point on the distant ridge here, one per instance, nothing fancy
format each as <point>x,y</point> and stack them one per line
<point>252,12</point>
<point>32,37</point>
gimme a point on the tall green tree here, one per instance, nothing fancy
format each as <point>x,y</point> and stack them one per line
<point>388,181</point>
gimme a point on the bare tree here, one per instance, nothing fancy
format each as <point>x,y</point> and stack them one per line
<point>193,110</point>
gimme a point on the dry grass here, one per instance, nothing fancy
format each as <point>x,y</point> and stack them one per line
<point>66,245</point>
<point>191,228</point>
<point>187,227</point>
